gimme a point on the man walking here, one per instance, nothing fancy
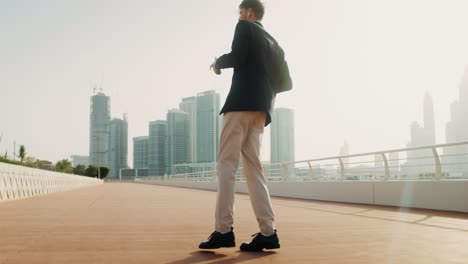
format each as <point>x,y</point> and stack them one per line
<point>245,113</point>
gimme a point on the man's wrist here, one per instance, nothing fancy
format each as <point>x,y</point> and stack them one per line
<point>216,64</point>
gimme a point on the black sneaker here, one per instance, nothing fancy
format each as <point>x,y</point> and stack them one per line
<point>218,240</point>
<point>260,242</point>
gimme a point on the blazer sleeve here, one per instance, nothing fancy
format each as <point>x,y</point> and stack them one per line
<point>239,48</point>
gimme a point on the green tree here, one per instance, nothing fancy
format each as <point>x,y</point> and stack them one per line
<point>79,170</point>
<point>64,166</point>
<point>30,162</point>
<point>22,153</point>
<point>104,172</point>
<point>92,171</point>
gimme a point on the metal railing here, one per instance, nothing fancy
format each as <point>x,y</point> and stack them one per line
<point>418,163</point>
<point>18,182</point>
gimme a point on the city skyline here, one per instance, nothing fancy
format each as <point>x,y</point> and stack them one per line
<point>172,143</point>
<point>420,135</point>
<point>415,138</point>
<point>168,148</point>
<point>358,72</point>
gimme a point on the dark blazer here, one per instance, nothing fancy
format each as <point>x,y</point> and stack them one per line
<point>251,88</point>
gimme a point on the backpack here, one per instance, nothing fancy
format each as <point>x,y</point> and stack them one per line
<point>277,67</point>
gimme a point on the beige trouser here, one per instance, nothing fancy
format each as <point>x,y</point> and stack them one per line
<point>242,132</point>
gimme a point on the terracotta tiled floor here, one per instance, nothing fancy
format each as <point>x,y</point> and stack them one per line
<point>133,223</point>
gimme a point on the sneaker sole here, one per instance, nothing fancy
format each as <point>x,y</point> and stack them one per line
<point>223,246</point>
<point>273,246</point>
<point>276,246</point>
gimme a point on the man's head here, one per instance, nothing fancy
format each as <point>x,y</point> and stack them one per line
<point>251,10</point>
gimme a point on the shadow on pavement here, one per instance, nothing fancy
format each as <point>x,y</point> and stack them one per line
<point>239,256</point>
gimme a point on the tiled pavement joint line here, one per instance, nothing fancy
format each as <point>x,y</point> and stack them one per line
<point>449,228</point>
<point>93,202</point>
<point>420,220</point>
<point>357,214</point>
<point>246,197</point>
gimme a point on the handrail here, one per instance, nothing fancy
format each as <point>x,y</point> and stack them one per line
<point>384,151</point>
<point>424,162</point>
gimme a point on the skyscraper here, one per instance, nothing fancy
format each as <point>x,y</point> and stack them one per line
<point>457,127</point>
<point>282,136</point>
<point>178,136</point>
<point>207,126</point>
<point>189,105</point>
<point>157,151</point>
<point>99,129</point>
<point>117,155</point>
<point>457,130</point>
<point>429,120</point>
<point>140,152</point>
<point>421,160</point>
<point>424,135</point>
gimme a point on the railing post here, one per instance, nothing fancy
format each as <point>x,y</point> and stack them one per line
<point>438,167</point>
<point>342,169</point>
<point>311,172</point>
<point>284,171</point>
<point>387,170</point>
<point>266,171</point>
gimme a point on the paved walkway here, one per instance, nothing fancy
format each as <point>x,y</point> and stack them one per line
<point>133,223</point>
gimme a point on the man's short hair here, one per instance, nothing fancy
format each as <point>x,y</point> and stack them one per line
<point>256,6</point>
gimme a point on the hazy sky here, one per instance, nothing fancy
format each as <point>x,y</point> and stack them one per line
<point>360,68</point>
